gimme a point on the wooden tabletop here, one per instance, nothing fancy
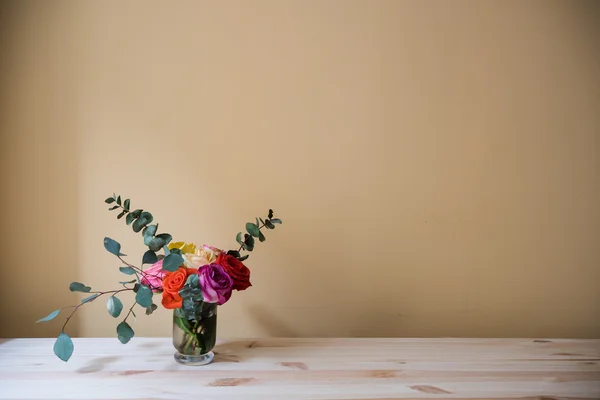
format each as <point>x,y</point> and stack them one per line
<point>288,369</point>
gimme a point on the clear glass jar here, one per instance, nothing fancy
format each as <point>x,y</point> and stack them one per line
<point>195,338</point>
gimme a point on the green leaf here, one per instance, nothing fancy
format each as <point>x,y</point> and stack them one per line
<point>136,287</point>
<point>238,238</point>
<point>172,262</point>
<point>144,296</point>
<point>167,251</point>
<point>244,257</point>
<point>119,200</point>
<point>114,306</point>
<point>127,270</point>
<point>261,221</point>
<point>124,332</point>
<point>136,213</point>
<point>63,347</point>
<point>249,242</point>
<point>128,282</point>
<point>129,218</point>
<point>166,237</point>
<point>270,213</point>
<point>269,225</point>
<point>276,221</point>
<point>234,253</point>
<point>257,222</point>
<point>79,287</point>
<point>146,215</point>
<point>127,202</point>
<point>121,214</point>
<point>151,309</point>
<point>150,230</point>
<point>261,237</point>
<point>90,298</point>
<point>109,200</point>
<point>252,229</point>
<point>49,317</point>
<point>113,208</point>
<point>149,257</point>
<point>112,246</point>
<point>138,224</point>
<point>156,244</point>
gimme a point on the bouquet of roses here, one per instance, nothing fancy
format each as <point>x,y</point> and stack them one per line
<point>191,280</point>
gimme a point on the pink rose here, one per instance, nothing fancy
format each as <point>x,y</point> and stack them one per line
<point>153,276</point>
<point>215,284</point>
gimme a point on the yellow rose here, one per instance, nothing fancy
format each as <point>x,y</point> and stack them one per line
<point>183,246</point>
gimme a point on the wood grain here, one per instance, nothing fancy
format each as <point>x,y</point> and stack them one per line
<point>290,369</point>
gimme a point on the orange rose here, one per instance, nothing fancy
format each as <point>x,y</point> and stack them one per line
<point>172,284</point>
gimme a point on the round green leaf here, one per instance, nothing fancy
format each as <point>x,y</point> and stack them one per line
<point>109,200</point>
<point>252,229</point>
<point>149,257</point>
<point>166,237</point>
<point>124,332</point>
<point>112,246</point>
<point>129,218</point>
<point>150,230</point>
<point>138,224</point>
<point>144,296</point>
<point>49,317</point>
<point>172,262</point>
<point>156,244</point>
<point>63,347</point>
<point>276,221</point>
<point>114,306</point>
<point>127,270</point>
<point>79,287</point>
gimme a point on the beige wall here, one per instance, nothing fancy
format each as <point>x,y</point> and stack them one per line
<point>435,163</point>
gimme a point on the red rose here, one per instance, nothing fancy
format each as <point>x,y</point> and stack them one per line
<point>239,273</point>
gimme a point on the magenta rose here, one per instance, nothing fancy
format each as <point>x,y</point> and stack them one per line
<point>215,284</point>
<point>153,276</point>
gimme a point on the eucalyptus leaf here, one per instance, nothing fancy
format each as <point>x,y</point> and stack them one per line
<point>126,204</point>
<point>234,253</point>
<point>63,347</point>
<point>124,332</point>
<point>244,257</point>
<point>146,215</point>
<point>121,214</point>
<point>261,237</point>
<point>151,309</point>
<point>269,225</point>
<point>149,257</point>
<point>90,298</point>
<point>249,242</point>
<point>49,317</point>
<point>252,229</point>
<point>270,213</point>
<point>238,238</point>
<point>138,224</point>
<point>113,208</point>
<point>144,296</point>
<point>119,200</point>
<point>172,262</point>
<point>127,270</point>
<point>79,287</point>
<point>129,218</point>
<point>150,230</point>
<point>136,213</point>
<point>276,221</point>
<point>114,306</point>
<point>110,200</point>
<point>112,246</point>
<point>166,237</point>
<point>156,244</point>
<point>128,282</point>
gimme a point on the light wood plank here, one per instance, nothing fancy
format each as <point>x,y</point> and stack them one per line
<point>341,369</point>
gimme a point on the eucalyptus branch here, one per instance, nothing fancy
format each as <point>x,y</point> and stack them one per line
<point>89,301</point>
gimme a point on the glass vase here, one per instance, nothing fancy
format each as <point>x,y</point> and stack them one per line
<point>195,337</point>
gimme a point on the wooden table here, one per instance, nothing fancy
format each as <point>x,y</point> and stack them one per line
<point>288,369</point>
